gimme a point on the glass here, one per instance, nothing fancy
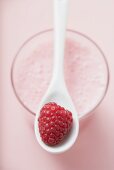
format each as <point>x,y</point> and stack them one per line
<point>86,71</point>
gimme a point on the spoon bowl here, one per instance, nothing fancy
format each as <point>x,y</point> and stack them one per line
<point>61,97</point>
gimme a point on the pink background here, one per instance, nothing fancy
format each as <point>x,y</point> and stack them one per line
<point>19,149</point>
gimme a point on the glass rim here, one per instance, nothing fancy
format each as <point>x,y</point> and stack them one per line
<point>85,114</point>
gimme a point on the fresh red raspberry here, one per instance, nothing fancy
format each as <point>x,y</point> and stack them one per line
<point>54,123</point>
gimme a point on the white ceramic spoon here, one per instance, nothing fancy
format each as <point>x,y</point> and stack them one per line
<point>57,91</point>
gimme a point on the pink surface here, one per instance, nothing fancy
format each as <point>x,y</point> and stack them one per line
<point>19,148</point>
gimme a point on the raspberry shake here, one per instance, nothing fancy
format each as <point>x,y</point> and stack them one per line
<point>86,72</point>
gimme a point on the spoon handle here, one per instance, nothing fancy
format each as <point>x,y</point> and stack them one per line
<point>60,18</point>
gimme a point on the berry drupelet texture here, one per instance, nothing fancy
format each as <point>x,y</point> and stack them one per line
<point>54,123</point>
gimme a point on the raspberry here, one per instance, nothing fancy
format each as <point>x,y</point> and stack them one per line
<point>54,123</point>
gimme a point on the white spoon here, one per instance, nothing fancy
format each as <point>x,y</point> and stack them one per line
<point>57,91</point>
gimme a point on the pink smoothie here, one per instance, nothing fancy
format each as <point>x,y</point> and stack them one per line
<point>85,75</point>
